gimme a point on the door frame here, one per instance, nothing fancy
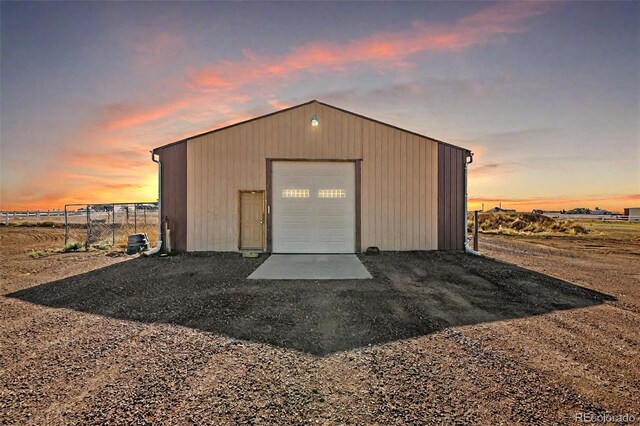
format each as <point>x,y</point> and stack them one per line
<point>253,191</point>
<point>269,194</point>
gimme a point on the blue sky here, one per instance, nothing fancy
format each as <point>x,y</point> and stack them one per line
<point>546,94</point>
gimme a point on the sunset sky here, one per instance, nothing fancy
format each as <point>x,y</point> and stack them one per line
<point>547,95</point>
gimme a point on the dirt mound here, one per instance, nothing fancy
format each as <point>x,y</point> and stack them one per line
<point>526,223</point>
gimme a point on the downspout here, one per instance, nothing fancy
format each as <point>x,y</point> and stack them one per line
<point>467,249</point>
<point>157,248</point>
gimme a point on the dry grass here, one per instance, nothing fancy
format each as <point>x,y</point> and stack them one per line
<point>526,224</point>
<point>37,224</point>
<point>101,235</point>
<point>620,231</point>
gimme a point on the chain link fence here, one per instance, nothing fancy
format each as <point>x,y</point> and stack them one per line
<point>109,224</point>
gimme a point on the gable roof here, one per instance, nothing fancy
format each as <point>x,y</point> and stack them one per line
<point>301,105</point>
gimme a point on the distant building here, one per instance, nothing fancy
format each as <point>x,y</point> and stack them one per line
<point>580,210</point>
<point>633,213</point>
<point>500,210</point>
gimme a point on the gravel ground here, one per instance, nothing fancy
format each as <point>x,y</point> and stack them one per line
<point>433,338</point>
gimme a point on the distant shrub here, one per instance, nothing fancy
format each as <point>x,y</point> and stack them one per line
<point>72,247</point>
<point>34,254</point>
<point>34,224</point>
<point>578,229</point>
<point>49,224</point>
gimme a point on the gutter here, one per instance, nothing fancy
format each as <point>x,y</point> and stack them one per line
<point>467,249</point>
<point>158,247</point>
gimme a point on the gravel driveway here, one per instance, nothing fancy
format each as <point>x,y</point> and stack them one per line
<point>433,338</point>
<point>411,294</point>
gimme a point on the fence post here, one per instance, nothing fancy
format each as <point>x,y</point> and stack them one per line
<point>475,230</point>
<point>66,227</point>
<point>86,243</point>
<point>113,225</point>
<point>135,218</point>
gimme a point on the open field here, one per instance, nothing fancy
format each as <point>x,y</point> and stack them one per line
<point>541,225</point>
<point>49,237</point>
<point>433,338</point>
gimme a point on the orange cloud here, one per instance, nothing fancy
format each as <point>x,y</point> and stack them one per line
<point>221,85</point>
<point>70,186</point>
<point>188,106</point>
<point>279,105</point>
<point>109,161</point>
<point>123,116</point>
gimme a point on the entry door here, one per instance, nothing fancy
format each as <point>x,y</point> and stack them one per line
<point>313,207</point>
<point>251,220</point>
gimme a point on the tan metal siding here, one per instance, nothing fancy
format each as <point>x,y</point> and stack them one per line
<point>451,198</point>
<point>399,208</point>
<point>174,192</point>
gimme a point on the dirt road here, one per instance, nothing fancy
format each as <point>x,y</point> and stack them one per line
<point>86,363</point>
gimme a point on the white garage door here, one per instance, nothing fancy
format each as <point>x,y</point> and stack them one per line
<point>313,207</point>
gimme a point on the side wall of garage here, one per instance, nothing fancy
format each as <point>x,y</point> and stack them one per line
<point>399,173</point>
<point>451,220</point>
<point>174,192</point>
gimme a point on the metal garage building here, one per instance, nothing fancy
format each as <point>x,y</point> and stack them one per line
<point>313,179</point>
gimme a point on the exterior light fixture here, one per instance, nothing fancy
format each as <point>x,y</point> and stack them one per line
<point>314,121</point>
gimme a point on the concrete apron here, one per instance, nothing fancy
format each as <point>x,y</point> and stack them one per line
<point>311,267</point>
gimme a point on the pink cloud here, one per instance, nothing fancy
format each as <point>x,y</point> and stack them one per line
<point>275,104</point>
<point>378,49</point>
<point>226,83</point>
<point>121,116</point>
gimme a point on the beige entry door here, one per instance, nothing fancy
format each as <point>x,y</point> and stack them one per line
<point>252,220</point>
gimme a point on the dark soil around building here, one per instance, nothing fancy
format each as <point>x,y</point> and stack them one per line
<point>412,294</point>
